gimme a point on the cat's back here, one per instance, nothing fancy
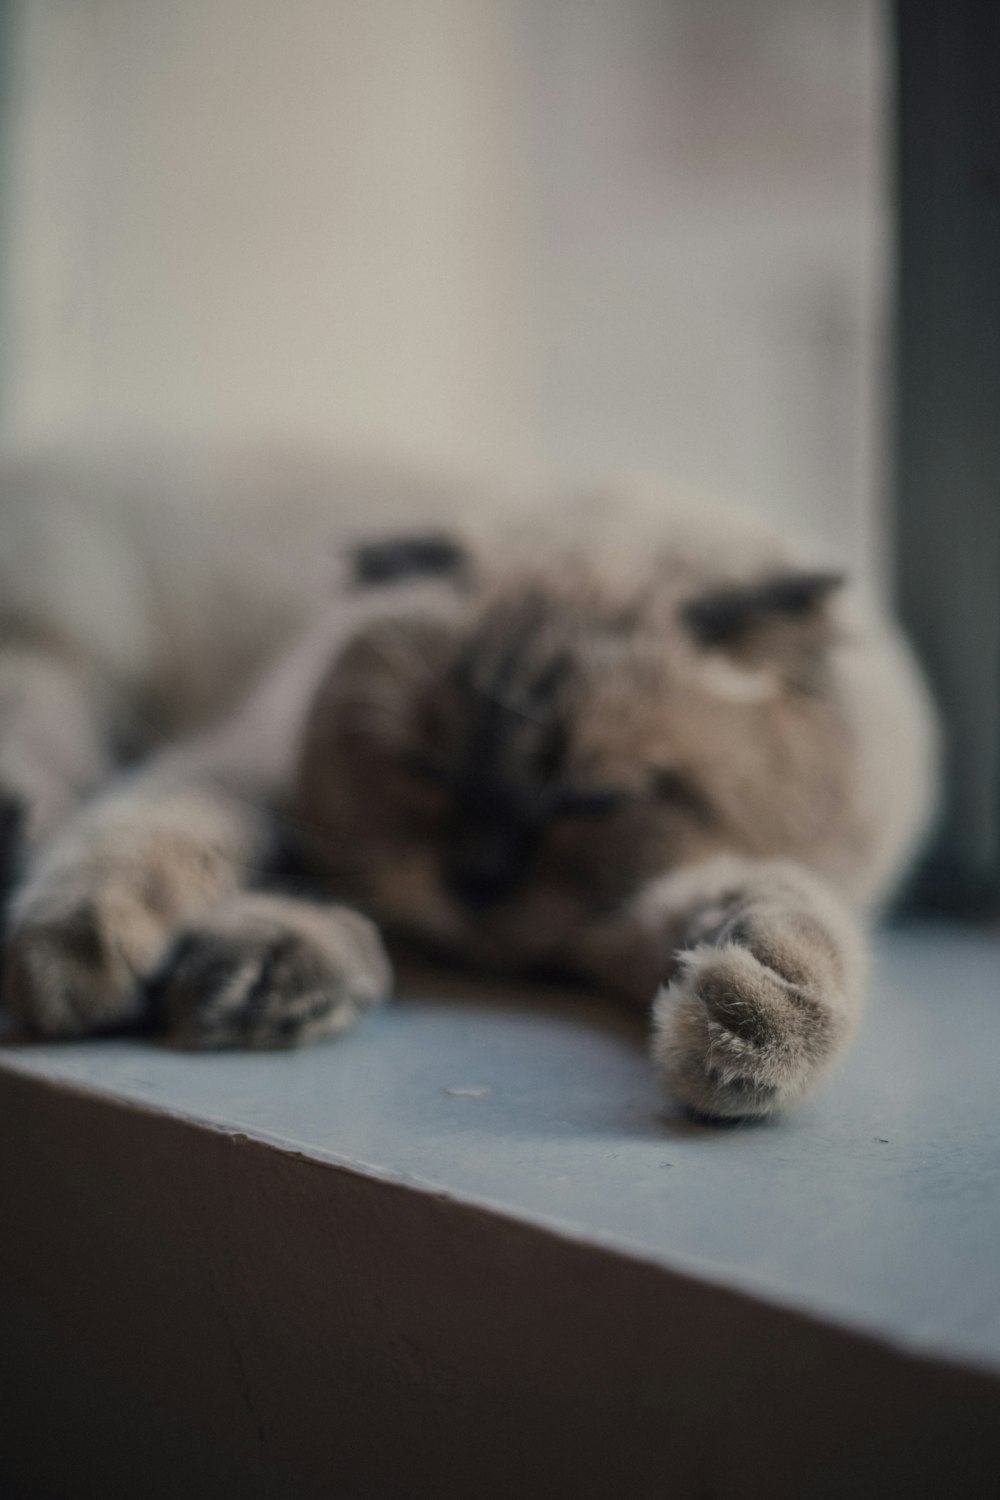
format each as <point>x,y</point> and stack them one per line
<point>178,572</point>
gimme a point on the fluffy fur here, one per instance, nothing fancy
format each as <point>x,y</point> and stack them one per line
<point>666,758</point>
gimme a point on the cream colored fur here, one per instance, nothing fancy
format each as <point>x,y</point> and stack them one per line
<point>204,603</point>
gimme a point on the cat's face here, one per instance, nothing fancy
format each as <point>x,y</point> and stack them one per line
<point>492,772</point>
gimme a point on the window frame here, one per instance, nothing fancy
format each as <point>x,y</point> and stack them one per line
<point>946,429</point>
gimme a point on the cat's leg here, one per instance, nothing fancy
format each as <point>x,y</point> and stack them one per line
<point>761,967</point>
<point>108,895</point>
<point>170,856</point>
<point>139,911</point>
<point>53,746</point>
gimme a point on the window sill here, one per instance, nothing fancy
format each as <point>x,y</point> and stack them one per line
<point>474,1225</point>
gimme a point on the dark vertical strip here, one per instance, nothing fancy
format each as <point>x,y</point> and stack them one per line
<point>947,413</point>
<point>6,94</point>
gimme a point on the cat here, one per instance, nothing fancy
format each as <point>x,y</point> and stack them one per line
<point>649,750</point>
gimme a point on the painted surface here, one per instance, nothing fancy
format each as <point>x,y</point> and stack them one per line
<point>876,1205</point>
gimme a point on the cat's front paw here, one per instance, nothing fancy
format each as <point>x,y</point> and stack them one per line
<point>77,946</point>
<point>735,1038</point>
<point>267,972</point>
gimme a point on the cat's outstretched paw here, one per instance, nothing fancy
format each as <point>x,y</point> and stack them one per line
<point>99,910</point>
<point>746,1025</point>
<point>76,948</point>
<point>268,972</point>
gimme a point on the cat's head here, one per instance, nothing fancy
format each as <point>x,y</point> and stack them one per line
<point>498,757</point>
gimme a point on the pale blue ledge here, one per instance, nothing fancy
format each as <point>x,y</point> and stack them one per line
<point>876,1206</point>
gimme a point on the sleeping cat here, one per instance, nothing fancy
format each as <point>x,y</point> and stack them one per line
<point>649,751</point>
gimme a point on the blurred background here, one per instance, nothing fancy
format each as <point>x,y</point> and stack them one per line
<point>750,248</point>
<point>578,239</point>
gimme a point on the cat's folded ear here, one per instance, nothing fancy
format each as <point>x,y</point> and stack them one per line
<point>400,559</point>
<point>782,618</point>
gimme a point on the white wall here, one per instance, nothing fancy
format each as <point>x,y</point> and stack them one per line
<point>235,214</point>
<point>604,235</point>
<point>710,231</point>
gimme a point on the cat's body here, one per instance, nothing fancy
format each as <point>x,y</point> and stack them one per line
<point>636,748</point>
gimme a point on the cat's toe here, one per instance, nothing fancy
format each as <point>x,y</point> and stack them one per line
<point>249,978</point>
<point>733,1039</point>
